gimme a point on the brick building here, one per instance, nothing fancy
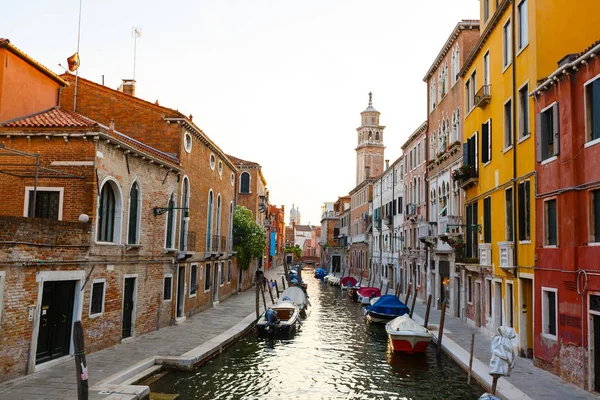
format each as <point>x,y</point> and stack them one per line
<point>276,217</point>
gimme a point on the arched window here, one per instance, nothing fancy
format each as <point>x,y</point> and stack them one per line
<point>209,221</point>
<point>218,223</point>
<point>245,182</point>
<point>432,95</point>
<point>376,135</point>
<point>185,203</point>
<point>109,213</point>
<point>135,199</point>
<point>170,239</point>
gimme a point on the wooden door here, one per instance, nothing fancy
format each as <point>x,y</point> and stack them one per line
<point>128,307</point>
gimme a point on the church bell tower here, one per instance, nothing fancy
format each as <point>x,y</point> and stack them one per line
<point>369,152</point>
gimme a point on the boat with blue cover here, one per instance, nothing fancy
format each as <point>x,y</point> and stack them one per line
<point>320,273</point>
<point>386,308</point>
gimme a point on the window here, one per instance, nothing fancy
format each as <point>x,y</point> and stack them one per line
<point>506,45</point>
<point>170,234</point>
<point>209,222</point>
<point>470,154</point>
<point>486,10</point>
<point>222,273</point>
<point>212,162</point>
<point>549,315</point>
<point>595,194</point>
<point>232,179</point>
<point>486,69</point>
<point>455,64</point>
<point>207,278</point>
<point>109,213</point>
<point>488,297</point>
<point>167,287</point>
<point>432,95</point>
<point>471,230</point>
<point>524,112</point>
<point>229,272</point>
<point>508,124</point>
<point>486,141</point>
<point>549,133</point>
<point>245,182</point>
<point>487,220</point>
<point>418,274</point>
<point>551,223</point>
<point>509,304</point>
<point>469,289</point>
<point>471,88</point>
<point>220,168</point>
<point>134,214</point>
<point>187,142</point>
<point>592,110</point>
<point>97,297</point>
<point>218,224</point>
<point>508,201</point>
<point>523,27</point>
<point>184,219</point>
<point>524,213</point>
<point>48,203</point>
<point>193,280</point>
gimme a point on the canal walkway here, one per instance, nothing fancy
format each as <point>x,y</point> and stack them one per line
<point>202,332</point>
<point>526,380</point>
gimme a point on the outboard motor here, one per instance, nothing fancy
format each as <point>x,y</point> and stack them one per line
<point>272,318</point>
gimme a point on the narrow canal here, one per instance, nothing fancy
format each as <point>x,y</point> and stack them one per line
<point>336,354</point>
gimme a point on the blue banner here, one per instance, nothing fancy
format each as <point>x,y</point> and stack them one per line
<point>273,245</point>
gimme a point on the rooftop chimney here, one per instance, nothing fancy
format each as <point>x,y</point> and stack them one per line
<point>387,164</point>
<point>127,87</point>
<point>367,172</point>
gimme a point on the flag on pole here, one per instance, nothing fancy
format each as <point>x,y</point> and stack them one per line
<point>73,62</point>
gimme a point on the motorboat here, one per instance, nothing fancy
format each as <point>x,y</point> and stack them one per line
<point>348,282</point>
<point>328,277</point>
<point>385,309</point>
<point>280,319</point>
<point>295,295</point>
<point>334,281</point>
<point>365,294</point>
<point>320,273</point>
<point>407,336</point>
<point>353,293</point>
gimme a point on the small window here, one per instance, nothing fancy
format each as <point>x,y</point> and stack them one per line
<point>220,168</point>
<point>212,162</point>
<point>418,275</point>
<point>549,314</point>
<point>469,289</point>
<point>107,212</point>
<point>167,287</point>
<point>207,278</point>
<point>506,45</point>
<point>48,203</point>
<point>524,211</point>
<point>229,272</point>
<point>193,279</point>
<point>549,140</point>
<point>486,10</point>
<point>509,304</point>
<point>170,233</point>
<point>232,179</point>
<point>508,124</point>
<point>592,110</point>
<point>134,214</point>
<point>523,25</point>
<point>595,223</point>
<point>488,297</point>
<point>524,112</point>
<point>97,298</point>
<point>551,223</point>
<point>187,142</point>
<point>222,273</point>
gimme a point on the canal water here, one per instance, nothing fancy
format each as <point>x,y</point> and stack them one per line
<point>335,355</point>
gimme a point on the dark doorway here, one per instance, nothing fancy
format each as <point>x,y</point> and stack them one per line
<point>128,293</point>
<point>444,281</point>
<point>596,352</point>
<point>239,280</point>
<point>478,301</point>
<point>56,320</point>
<point>457,297</point>
<point>336,263</point>
<point>180,291</point>
<point>216,284</point>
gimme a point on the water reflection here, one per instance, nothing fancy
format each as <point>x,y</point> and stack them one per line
<point>336,355</point>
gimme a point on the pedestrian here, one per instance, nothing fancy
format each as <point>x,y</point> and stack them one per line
<point>265,280</point>
<point>272,284</point>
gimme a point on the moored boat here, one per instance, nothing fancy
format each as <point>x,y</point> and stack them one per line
<point>320,273</point>
<point>334,281</point>
<point>348,282</point>
<point>365,294</point>
<point>297,296</point>
<point>280,319</point>
<point>385,309</point>
<point>407,336</point>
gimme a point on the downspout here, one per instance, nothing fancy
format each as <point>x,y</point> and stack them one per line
<point>393,234</point>
<point>514,133</point>
<point>381,232</point>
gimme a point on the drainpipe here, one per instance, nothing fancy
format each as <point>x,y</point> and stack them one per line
<point>514,132</point>
<point>392,233</point>
<point>381,232</point>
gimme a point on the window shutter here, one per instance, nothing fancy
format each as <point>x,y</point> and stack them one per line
<point>476,146</point>
<point>595,109</point>
<point>487,220</point>
<point>468,231</point>
<point>466,153</point>
<point>596,201</point>
<point>556,128</point>
<point>484,143</point>
<point>552,223</point>
<point>490,140</point>
<point>522,103</point>
<point>538,137</point>
<point>521,211</point>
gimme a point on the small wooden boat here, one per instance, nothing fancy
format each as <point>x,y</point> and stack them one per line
<point>280,319</point>
<point>407,336</point>
<point>347,282</point>
<point>365,294</point>
<point>385,309</point>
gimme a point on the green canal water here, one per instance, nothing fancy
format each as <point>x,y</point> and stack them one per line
<point>335,355</point>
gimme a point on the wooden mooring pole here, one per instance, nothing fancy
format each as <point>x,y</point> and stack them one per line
<point>80,363</point>
<point>412,308</point>
<point>271,293</point>
<point>283,282</point>
<point>495,382</point>
<point>441,332</point>
<point>408,293</point>
<point>276,288</point>
<point>427,312</point>
<point>257,299</point>
<point>471,359</point>
<point>264,300</point>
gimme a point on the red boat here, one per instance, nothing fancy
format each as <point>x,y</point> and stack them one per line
<point>407,336</point>
<point>365,294</point>
<point>348,282</point>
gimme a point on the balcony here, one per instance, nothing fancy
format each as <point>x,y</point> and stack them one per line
<point>449,225</point>
<point>411,210</point>
<point>485,253</point>
<point>330,215</point>
<point>507,250</point>
<point>466,176</point>
<point>427,230</point>
<point>483,96</point>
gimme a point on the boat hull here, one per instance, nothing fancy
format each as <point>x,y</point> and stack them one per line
<point>409,344</point>
<point>379,318</point>
<point>276,330</point>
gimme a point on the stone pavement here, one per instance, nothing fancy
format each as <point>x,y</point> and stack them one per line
<point>59,381</point>
<point>534,382</point>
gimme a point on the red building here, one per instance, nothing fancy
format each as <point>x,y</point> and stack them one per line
<point>275,242</point>
<point>567,277</point>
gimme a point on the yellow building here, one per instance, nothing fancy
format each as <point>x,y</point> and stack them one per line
<point>520,43</point>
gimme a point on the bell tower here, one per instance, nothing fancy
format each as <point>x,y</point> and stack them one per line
<point>369,152</point>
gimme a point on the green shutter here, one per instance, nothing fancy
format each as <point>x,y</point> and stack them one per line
<point>487,220</point>
<point>595,109</point>
<point>596,195</point>
<point>484,143</point>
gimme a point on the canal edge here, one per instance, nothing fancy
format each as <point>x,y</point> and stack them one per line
<point>122,384</point>
<point>480,372</point>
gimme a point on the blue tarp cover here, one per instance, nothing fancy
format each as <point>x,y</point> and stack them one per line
<point>390,305</point>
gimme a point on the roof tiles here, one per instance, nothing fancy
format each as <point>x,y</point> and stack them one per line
<point>53,118</point>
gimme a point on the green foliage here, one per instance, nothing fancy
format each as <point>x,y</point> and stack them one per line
<point>249,239</point>
<point>296,250</point>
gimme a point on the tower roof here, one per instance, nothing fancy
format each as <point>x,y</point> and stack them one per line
<point>370,107</point>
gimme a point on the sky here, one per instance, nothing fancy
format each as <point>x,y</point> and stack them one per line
<point>278,82</point>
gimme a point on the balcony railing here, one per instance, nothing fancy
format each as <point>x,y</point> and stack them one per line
<point>506,254</point>
<point>483,96</point>
<point>427,229</point>
<point>466,176</point>
<point>450,224</point>
<point>216,244</point>
<point>330,214</point>
<point>411,210</point>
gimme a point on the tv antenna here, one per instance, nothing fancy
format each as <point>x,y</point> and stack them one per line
<point>136,33</point>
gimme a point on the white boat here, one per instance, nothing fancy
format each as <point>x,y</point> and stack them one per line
<point>334,281</point>
<point>407,336</point>
<point>280,319</point>
<point>295,295</point>
<point>328,277</point>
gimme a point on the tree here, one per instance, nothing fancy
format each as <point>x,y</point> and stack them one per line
<point>249,239</point>
<point>296,250</point>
